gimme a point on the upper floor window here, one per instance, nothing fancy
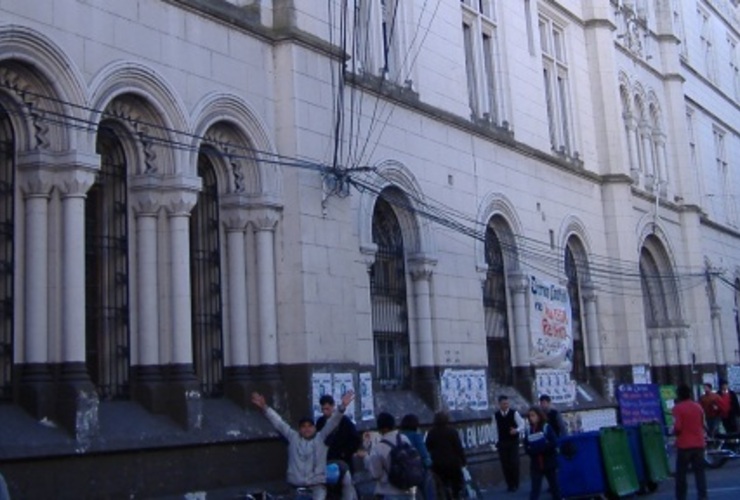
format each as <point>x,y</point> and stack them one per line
<point>678,27</point>
<point>707,44</point>
<point>727,198</point>
<point>734,67</point>
<point>482,64</point>
<point>557,93</point>
<point>379,39</point>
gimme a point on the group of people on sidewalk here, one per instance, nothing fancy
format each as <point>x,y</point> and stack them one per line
<point>434,467</point>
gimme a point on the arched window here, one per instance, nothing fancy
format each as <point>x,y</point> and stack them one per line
<point>653,294</point>
<point>574,293</point>
<point>106,270</point>
<point>7,231</point>
<point>388,298</point>
<point>205,276</point>
<point>495,310</point>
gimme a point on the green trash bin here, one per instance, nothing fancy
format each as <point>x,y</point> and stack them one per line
<point>654,452</point>
<point>621,476</point>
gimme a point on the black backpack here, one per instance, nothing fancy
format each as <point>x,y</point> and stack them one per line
<point>406,467</point>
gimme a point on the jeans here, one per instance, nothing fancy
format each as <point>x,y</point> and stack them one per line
<point>552,479</point>
<point>695,457</point>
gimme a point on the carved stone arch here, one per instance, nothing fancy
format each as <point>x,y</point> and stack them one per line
<point>237,132</point>
<point>653,238</point>
<point>639,102</point>
<point>42,87</point>
<point>417,232</point>
<point>497,210</point>
<point>139,98</point>
<point>655,112</point>
<point>573,231</point>
<point>625,93</point>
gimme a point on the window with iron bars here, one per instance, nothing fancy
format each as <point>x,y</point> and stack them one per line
<point>106,271</point>
<point>495,311</point>
<point>205,276</point>
<point>574,293</point>
<point>388,298</point>
<point>7,257</point>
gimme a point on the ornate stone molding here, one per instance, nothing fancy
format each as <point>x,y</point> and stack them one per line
<point>518,282</point>
<point>74,181</point>
<point>180,193</point>
<point>421,267</point>
<point>36,173</point>
<point>264,218</point>
<point>235,211</point>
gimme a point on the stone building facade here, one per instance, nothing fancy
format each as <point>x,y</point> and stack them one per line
<point>202,198</point>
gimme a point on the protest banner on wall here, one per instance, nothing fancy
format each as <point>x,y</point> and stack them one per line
<point>550,324</point>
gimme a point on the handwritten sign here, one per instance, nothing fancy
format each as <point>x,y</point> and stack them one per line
<point>550,321</point>
<point>639,403</point>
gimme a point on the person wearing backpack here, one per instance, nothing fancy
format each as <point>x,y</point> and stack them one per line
<point>448,455</point>
<point>393,462</point>
<point>541,444</point>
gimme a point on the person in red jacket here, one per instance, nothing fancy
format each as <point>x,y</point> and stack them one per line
<point>688,428</point>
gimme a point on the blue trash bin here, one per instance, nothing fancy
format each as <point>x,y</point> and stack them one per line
<point>580,466</point>
<point>635,441</point>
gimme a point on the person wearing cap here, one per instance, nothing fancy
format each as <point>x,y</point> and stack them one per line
<point>306,447</point>
<point>343,442</point>
<point>554,417</point>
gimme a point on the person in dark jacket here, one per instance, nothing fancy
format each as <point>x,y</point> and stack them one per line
<point>448,456</point>
<point>410,428</point>
<point>729,406</point>
<point>343,443</point>
<point>540,443</point>
<point>554,417</point>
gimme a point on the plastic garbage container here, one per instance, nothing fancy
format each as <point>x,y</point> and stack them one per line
<point>654,451</point>
<point>635,441</point>
<point>580,468</point>
<point>621,477</point>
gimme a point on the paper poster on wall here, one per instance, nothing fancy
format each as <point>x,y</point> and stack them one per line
<point>550,323</point>
<point>367,404</point>
<point>733,377</point>
<point>321,383</point>
<point>464,389</point>
<point>557,384</point>
<point>640,374</point>
<point>343,382</point>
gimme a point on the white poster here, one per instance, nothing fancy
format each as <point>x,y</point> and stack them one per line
<point>550,324</point>
<point>321,383</point>
<point>367,405</point>
<point>733,377</point>
<point>640,374</point>
<point>557,384</point>
<point>464,389</point>
<point>344,382</point>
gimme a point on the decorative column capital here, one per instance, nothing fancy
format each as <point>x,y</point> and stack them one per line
<point>235,211</point>
<point>74,181</point>
<point>367,254</point>
<point>264,218</point>
<point>421,267</point>
<point>588,291</point>
<point>146,194</point>
<point>180,193</point>
<point>518,282</point>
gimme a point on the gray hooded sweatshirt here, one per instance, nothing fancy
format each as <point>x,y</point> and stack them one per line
<point>306,457</point>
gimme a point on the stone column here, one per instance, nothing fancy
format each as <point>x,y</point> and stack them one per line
<point>670,345</point>
<point>264,222</point>
<point>684,356</point>
<point>662,160</point>
<point>423,374</point>
<point>36,386</point>
<point>595,361</point>
<point>523,373</point>
<point>719,343</point>
<point>647,150</point>
<point>658,359</point>
<point>147,376</point>
<point>633,148</point>
<point>235,218</point>
<point>183,403</point>
<point>77,398</point>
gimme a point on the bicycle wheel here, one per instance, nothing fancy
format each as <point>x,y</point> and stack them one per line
<point>713,457</point>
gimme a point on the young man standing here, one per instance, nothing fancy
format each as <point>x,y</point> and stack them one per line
<point>378,460</point>
<point>507,428</point>
<point>689,430</point>
<point>306,447</point>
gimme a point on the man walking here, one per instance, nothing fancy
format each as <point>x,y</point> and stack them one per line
<point>688,427</point>
<point>507,428</point>
<point>554,418</point>
<point>712,405</point>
